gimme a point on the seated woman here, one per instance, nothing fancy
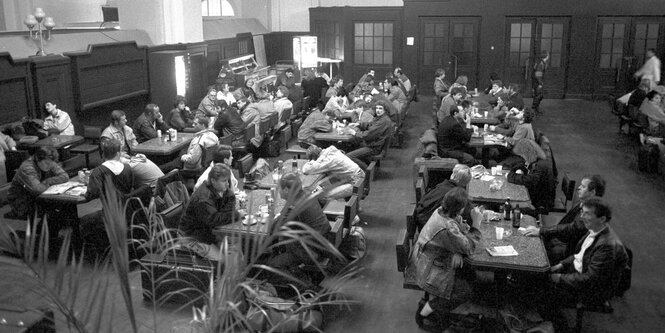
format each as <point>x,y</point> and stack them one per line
<point>651,108</point>
<point>33,177</point>
<point>180,117</point>
<point>437,258</point>
<point>536,175</point>
<point>211,205</point>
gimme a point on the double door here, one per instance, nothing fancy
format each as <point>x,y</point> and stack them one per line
<point>527,38</point>
<point>621,47</point>
<point>450,43</point>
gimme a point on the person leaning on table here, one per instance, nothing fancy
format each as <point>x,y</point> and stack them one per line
<point>437,258</point>
<point>33,177</point>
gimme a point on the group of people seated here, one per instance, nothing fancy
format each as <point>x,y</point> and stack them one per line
<point>650,106</point>
<point>523,155</point>
<point>587,257</point>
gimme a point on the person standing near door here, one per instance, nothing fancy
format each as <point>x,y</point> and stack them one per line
<point>537,80</point>
<point>651,69</point>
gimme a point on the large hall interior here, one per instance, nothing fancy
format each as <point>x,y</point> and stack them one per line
<point>332,166</point>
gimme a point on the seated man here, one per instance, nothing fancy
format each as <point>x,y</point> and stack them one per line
<point>372,135</point>
<point>145,171</point>
<point>336,84</point>
<point>281,103</point>
<point>513,98</point>
<point>147,124</point>
<point>181,116</point>
<point>211,205</point>
<point>33,177</point>
<point>452,137</point>
<point>432,200</point>
<point>317,121</point>
<point>404,81</point>
<point>230,123</point>
<point>112,168</point>
<point>336,106</point>
<point>300,209</point>
<point>224,94</point>
<point>497,92</point>
<point>558,244</point>
<point>343,173</point>
<point>202,140</point>
<point>263,105</point>
<point>250,116</point>
<point>397,96</point>
<point>536,175</point>
<point>452,99</point>
<point>58,121</point>
<point>440,87</point>
<point>221,154</point>
<point>592,273</point>
<point>208,106</point>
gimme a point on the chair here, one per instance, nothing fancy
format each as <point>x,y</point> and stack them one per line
<point>226,140</point>
<point>92,136</point>
<point>406,238</point>
<point>420,189</point>
<point>348,210</point>
<point>568,189</point>
<point>13,161</point>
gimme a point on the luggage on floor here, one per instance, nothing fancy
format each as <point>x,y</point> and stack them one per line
<point>176,277</point>
<point>647,158</point>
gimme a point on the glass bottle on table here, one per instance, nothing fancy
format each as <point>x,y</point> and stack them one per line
<point>506,209</point>
<point>294,165</point>
<point>517,217</point>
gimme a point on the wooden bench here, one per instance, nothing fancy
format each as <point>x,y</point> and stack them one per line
<point>406,238</point>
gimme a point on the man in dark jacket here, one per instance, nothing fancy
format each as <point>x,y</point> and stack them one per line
<point>147,124</point>
<point>373,135</point>
<point>591,275</point>
<point>452,137</point>
<point>33,177</point>
<point>432,200</point>
<point>230,123</point>
<point>211,205</point>
<point>317,121</point>
<point>558,244</point>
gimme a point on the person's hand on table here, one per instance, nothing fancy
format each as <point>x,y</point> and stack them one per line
<point>519,171</point>
<point>476,217</point>
<point>457,261</point>
<point>532,231</point>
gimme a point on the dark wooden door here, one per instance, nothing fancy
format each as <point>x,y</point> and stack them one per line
<point>527,37</point>
<point>451,44</point>
<point>621,48</point>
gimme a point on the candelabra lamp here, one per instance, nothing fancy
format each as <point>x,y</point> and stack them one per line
<point>38,21</point>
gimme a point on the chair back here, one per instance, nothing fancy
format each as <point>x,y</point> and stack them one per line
<point>350,210</point>
<point>172,176</point>
<point>264,125</point>
<point>286,115</point>
<point>92,133</point>
<point>568,188</point>
<point>226,140</point>
<point>250,132</point>
<point>13,161</point>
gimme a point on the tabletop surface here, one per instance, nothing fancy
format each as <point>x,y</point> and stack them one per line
<point>65,197</point>
<point>255,199</point>
<point>309,182</point>
<point>159,146</point>
<point>479,191</point>
<point>58,141</point>
<point>336,136</point>
<point>487,140</point>
<point>531,257</point>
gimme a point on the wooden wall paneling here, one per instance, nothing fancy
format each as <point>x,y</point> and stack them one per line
<point>52,81</point>
<point>107,73</point>
<point>15,89</point>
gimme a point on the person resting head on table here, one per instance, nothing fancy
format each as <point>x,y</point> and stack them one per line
<point>560,239</point>
<point>536,175</point>
<point>211,205</point>
<point>32,178</point>
<point>437,258</point>
<point>342,172</point>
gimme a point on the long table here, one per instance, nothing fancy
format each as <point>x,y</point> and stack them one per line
<point>255,199</point>
<point>531,257</point>
<point>479,192</point>
<point>309,182</point>
<point>485,141</point>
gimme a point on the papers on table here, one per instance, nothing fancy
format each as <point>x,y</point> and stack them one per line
<point>495,139</point>
<point>487,178</point>
<point>502,251</point>
<point>72,188</point>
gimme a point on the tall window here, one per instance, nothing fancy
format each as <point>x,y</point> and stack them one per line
<point>551,39</point>
<point>462,46</point>
<point>646,37</point>
<point>329,40</point>
<point>611,45</point>
<point>216,8</point>
<point>434,40</point>
<point>373,43</point>
<point>520,43</point>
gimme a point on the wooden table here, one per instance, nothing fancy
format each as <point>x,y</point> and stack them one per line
<point>485,141</point>
<point>58,141</point>
<point>483,101</point>
<point>254,200</point>
<point>489,120</point>
<point>160,150</point>
<point>480,193</point>
<point>309,182</point>
<point>531,257</point>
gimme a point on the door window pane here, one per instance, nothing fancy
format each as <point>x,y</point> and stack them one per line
<point>646,37</point>
<point>370,45</point>
<point>515,30</point>
<point>611,47</point>
<point>546,31</point>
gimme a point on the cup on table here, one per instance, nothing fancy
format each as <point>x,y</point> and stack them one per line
<point>263,209</point>
<point>499,233</point>
<point>485,113</point>
<point>499,169</point>
<point>486,126</point>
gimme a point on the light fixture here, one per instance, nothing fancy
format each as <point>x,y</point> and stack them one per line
<point>38,18</point>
